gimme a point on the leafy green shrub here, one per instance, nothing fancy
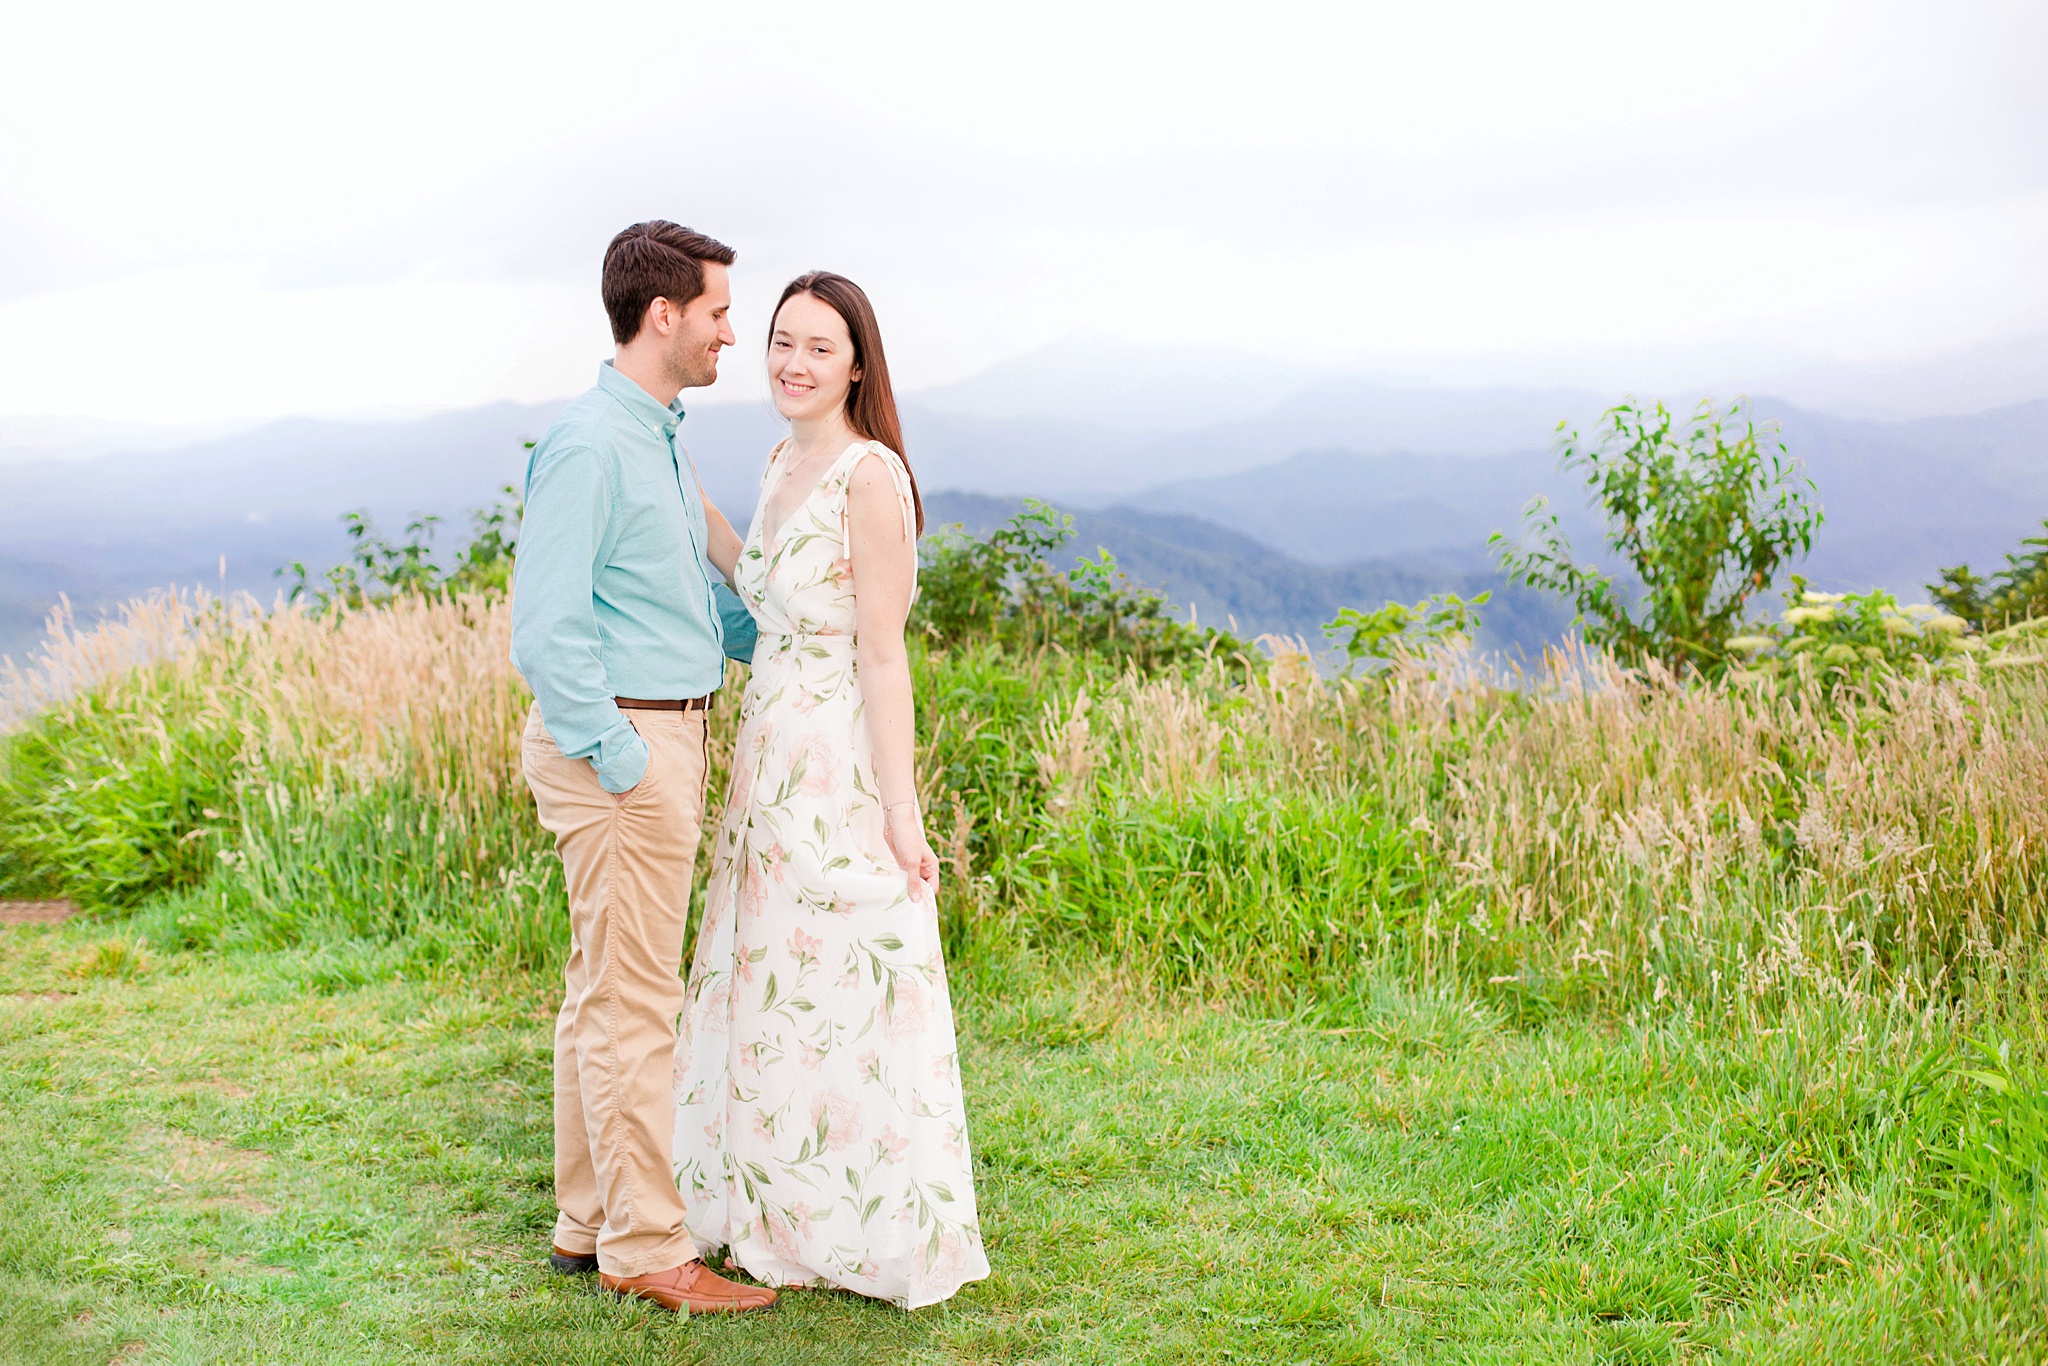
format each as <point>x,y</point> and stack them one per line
<point>1703,514</point>
<point>378,570</point>
<point>1382,635</point>
<point>2017,593</point>
<point>1852,635</point>
<point>1003,587</point>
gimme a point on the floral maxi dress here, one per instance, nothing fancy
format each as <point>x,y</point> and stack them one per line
<point>820,1132</point>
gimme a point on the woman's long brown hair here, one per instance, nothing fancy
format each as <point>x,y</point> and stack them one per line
<point>871,402</point>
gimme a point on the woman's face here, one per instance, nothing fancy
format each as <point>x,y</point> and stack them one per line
<point>810,359</point>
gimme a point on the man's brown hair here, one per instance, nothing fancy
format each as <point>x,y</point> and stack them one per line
<point>655,260</point>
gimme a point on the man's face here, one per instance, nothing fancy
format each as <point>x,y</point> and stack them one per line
<point>705,329</point>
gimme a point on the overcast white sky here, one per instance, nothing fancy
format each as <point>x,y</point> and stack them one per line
<point>210,210</point>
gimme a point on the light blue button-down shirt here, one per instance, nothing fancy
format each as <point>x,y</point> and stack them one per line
<point>613,589</point>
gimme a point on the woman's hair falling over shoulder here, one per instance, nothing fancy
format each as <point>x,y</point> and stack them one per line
<point>871,401</point>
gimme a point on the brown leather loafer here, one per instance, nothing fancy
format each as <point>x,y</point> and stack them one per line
<point>692,1286</point>
<point>572,1263</point>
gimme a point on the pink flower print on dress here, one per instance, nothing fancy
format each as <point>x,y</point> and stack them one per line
<point>782,1239</point>
<point>774,859</point>
<point>870,1063</point>
<point>754,756</point>
<point>891,1146</point>
<point>911,1011</point>
<point>841,905</point>
<point>811,1057</point>
<point>954,1142</point>
<point>806,702</point>
<point>838,1117</point>
<point>942,1066</point>
<point>841,573</point>
<point>944,1264</point>
<point>764,1127</point>
<point>743,965</point>
<point>804,947</point>
<point>821,767</point>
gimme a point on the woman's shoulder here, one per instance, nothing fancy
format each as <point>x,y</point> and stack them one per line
<point>876,486</point>
<point>871,469</point>
<point>870,459</point>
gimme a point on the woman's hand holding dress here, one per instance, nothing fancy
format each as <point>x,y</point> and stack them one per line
<point>905,833</point>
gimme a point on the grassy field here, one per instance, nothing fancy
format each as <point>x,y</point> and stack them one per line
<point>1594,1020</point>
<point>215,1162</point>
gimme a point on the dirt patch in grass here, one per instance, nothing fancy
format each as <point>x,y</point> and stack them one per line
<point>36,912</point>
<point>205,1170</point>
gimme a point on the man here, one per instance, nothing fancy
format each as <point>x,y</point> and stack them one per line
<point>618,627</point>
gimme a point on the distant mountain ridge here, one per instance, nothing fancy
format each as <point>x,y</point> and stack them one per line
<point>1230,580</point>
<point>1250,516</point>
<point>1901,499</point>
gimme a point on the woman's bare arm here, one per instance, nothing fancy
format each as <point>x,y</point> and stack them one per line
<point>884,572</point>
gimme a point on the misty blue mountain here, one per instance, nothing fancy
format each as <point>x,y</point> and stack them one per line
<point>1337,493</point>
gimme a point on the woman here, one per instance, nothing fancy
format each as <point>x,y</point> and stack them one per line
<point>820,1134</point>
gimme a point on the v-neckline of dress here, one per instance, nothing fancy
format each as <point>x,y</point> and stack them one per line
<point>771,542</point>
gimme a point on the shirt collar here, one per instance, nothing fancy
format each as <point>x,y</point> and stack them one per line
<point>637,401</point>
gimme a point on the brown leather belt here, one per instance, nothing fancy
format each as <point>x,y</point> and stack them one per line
<point>666,703</point>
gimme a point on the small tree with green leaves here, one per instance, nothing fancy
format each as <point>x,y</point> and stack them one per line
<point>1378,637</point>
<point>1704,513</point>
<point>2016,593</point>
<point>379,570</point>
<point>1005,587</point>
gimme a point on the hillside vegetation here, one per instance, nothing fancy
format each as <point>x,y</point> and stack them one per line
<point>1585,1014</point>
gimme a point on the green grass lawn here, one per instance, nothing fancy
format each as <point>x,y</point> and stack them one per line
<point>241,1159</point>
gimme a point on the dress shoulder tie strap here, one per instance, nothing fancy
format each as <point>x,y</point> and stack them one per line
<point>898,472</point>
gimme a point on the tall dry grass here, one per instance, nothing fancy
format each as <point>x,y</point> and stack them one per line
<point>1585,823</point>
<point>418,690</point>
<point>360,766</point>
<point>1735,840</point>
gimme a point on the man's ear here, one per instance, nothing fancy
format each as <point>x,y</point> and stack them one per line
<point>661,316</point>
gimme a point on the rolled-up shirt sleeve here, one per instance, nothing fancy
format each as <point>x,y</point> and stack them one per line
<point>562,543</point>
<point>736,624</point>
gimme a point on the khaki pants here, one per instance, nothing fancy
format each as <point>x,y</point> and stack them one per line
<point>627,859</point>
